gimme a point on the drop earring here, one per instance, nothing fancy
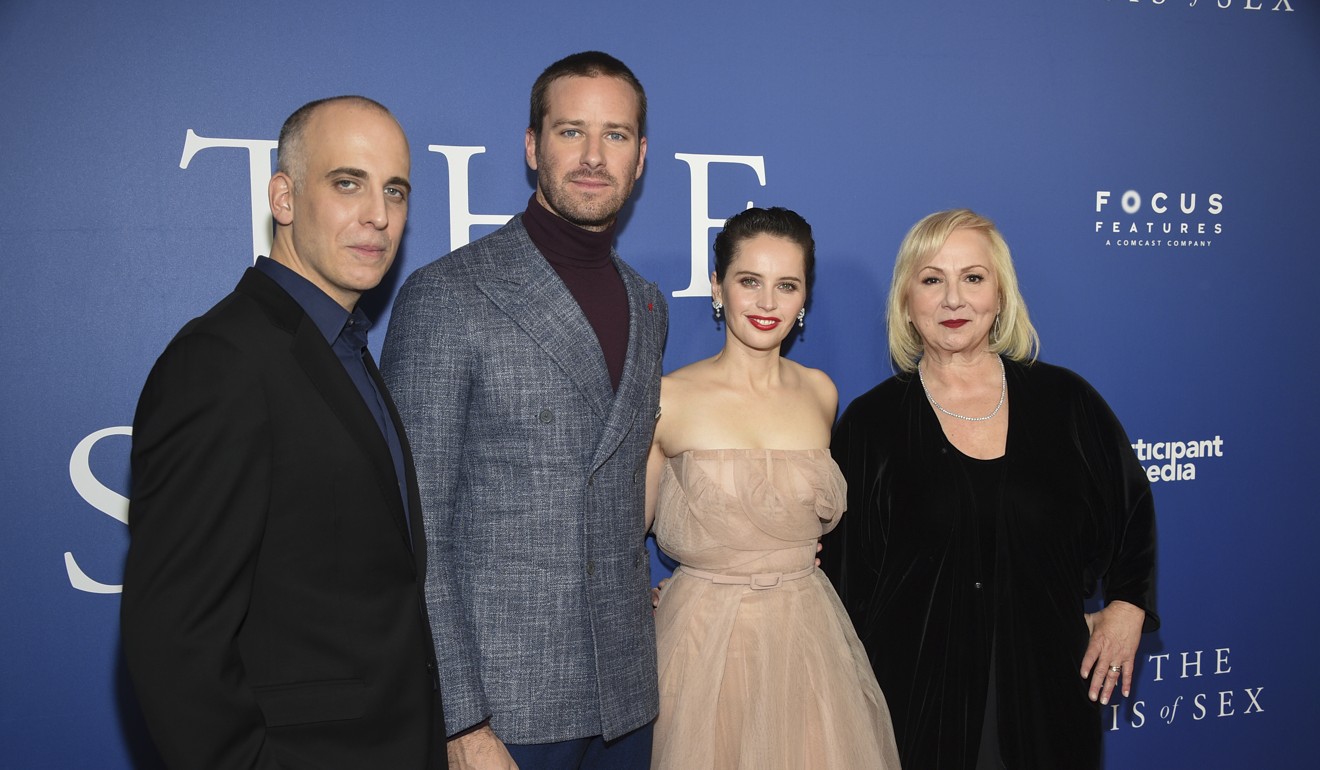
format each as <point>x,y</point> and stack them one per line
<point>718,307</point>
<point>801,315</point>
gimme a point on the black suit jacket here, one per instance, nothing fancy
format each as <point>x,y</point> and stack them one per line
<point>272,613</point>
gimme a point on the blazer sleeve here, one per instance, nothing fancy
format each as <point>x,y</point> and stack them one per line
<point>851,552</point>
<point>1129,574</point>
<point>426,365</point>
<point>201,477</point>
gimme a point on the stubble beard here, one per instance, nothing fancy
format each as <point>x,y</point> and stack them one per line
<point>590,214</point>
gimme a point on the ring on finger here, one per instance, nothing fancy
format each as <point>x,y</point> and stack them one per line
<point>1115,669</point>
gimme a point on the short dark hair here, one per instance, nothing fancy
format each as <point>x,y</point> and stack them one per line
<point>291,158</point>
<point>776,221</point>
<point>587,64</point>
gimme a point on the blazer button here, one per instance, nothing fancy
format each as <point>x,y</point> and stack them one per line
<point>591,568</point>
<point>546,416</point>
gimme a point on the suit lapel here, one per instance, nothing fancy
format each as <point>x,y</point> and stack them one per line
<point>535,298</point>
<point>637,368</point>
<point>327,374</point>
<point>328,377</point>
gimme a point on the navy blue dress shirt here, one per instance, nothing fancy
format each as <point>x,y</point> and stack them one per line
<point>346,333</point>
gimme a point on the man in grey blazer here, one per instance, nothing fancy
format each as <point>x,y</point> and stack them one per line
<point>526,369</point>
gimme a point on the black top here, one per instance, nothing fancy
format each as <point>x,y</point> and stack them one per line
<point>1075,510</point>
<point>986,484</point>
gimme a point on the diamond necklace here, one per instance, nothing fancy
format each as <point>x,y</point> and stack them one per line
<point>1003,394</point>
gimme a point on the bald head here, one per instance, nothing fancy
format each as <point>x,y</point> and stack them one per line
<point>292,157</point>
<point>340,197</point>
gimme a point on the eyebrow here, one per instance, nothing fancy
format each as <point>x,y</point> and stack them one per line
<point>357,173</point>
<point>754,274</point>
<point>579,123</point>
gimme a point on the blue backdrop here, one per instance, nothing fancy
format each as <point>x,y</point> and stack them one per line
<point>1151,163</point>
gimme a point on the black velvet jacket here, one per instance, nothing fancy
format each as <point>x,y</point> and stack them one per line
<point>1075,511</point>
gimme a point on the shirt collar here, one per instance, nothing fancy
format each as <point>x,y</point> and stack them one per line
<point>330,318</point>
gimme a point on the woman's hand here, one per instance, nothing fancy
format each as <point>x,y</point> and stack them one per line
<point>1111,654</point>
<point>655,593</point>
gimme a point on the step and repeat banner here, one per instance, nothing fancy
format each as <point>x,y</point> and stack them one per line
<point>1152,164</point>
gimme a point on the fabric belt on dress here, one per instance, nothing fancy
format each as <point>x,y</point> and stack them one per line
<point>758,582</point>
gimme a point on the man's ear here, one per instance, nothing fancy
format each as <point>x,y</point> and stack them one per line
<point>280,193</point>
<point>529,144</point>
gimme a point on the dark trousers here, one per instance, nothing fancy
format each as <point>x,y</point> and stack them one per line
<point>627,752</point>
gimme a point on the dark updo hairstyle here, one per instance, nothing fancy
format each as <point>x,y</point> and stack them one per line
<point>777,221</point>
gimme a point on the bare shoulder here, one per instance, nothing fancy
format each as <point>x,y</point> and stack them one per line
<point>817,384</point>
<point>678,383</point>
<point>681,386</point>
<point>693,371</point>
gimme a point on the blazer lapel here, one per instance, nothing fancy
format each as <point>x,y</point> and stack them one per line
<point>637,368</point>
<point>332,383</point>
<point>327,374</point>
<point>541,305</point>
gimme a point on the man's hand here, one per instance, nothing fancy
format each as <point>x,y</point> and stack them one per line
<point>480,749</point>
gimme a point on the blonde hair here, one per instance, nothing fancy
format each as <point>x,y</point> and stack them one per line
<point>1015,337</point>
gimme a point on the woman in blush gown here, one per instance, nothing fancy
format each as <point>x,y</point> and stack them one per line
<point>760,667</point>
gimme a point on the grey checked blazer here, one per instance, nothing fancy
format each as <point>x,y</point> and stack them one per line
<point>532,473</point>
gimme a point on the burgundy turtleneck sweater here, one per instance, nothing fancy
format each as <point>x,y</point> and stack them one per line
<point>582,260</point>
